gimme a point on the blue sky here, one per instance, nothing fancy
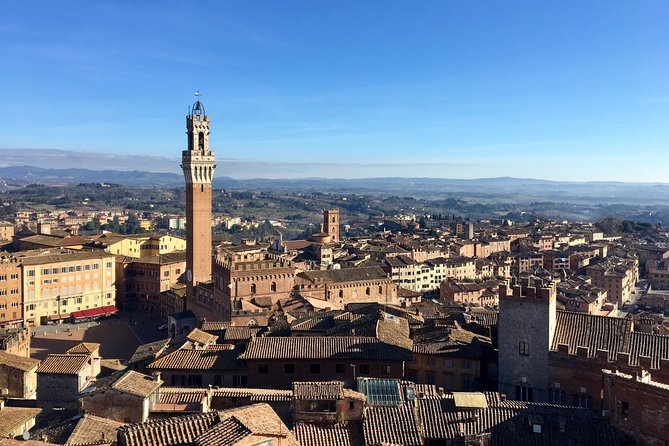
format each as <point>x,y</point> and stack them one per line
<point>566,90</point>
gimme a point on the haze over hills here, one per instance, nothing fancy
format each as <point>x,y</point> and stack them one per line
<point>506,189</point>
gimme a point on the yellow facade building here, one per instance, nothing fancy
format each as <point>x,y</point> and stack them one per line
<point>55,285</point>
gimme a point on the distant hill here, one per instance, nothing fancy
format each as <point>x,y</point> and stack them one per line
<point>503,189</point>
<point>32,174</point>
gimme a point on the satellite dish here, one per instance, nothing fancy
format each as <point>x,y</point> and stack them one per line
<point>189,276</point>
<point>26,436</point>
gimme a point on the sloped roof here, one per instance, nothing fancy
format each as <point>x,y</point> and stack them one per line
<point>17,362</point>
<point>330,347</point>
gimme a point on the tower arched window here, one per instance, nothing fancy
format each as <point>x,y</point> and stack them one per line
<point>273,287</point>
<point>368,291</point>
<point>200,140</point>
<point>380,289</point>
<point>253,288</point>
<point>341,294</point>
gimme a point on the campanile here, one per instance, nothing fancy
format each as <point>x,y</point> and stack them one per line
<point>198,164</point>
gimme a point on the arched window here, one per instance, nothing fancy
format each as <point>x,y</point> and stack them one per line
<point>368,291</point>
<point>200,140</point>
<point>253,288</point>
<point>273,287</point>
<point>380,289</point>
<point>341,294</point>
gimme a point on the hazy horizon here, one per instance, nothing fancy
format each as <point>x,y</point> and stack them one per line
<point>240,169</point>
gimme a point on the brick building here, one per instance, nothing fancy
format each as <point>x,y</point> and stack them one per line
<point>246,273</point>
<point>141,282</point>
<point>637,406</point>
<point>11,291</point>
<point>340,287</point>
<point>198,164</point>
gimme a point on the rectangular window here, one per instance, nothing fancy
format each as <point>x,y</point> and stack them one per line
<point>3,277</point>
<point>289,369</point>
<point>263,369</point>
<point>87,267</point>
<point>46,271</point>
<point>314,368</point>
<point>31,273</point>
<point>363,369</point>
<point>524,348</point>
<point>96,266</point>
<point>340,368</point>
<point>386,370</point>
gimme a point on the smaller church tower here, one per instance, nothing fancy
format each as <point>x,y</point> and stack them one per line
<point>198,164</point>
<point>331,224</point>
<point>527,320</point>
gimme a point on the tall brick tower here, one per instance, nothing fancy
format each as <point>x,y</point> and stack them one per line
<point>331,224</point>
<point>198,165</point>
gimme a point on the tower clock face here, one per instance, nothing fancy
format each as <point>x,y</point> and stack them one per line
<point>189,276</point>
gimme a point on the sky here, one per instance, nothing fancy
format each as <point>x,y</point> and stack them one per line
<point>566,90</point>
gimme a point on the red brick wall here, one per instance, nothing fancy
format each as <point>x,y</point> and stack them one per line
<point>641,410</point>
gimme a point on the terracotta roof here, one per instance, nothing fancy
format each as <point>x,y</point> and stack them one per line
<point>180,395</point>
<point>85,347</point>
<point>17,362</point>
<point>92,429</point>
<point>214,326</point>
<point>169,431</point>
<point>227,432</point>
<point>12,418</point>
<point>201,337</point>
<point>241,333</point>
<point>63,364</point>
<point>263,422</point>
<point>137,384</point>
<point>328,434</point>
<point>329,347</point>
<point>318,390</point>
<point>218,358</point>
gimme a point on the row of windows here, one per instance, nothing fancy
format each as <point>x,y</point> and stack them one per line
<point>13,292</point>
<point>315,369</point>
<point>3,277</point>
<point>13,305</point>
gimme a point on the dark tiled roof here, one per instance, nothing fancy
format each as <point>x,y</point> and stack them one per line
<point>148,351</point>
<point>17,362</point>
<point>612,334</point>
<point>211,358</point>
<point>345,275</point>
<point>385,424</point>
<point>330,347</point>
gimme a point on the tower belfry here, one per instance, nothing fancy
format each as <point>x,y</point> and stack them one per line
<point>198,164</point>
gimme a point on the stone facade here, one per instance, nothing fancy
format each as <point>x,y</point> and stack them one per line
<point>527,319</point>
